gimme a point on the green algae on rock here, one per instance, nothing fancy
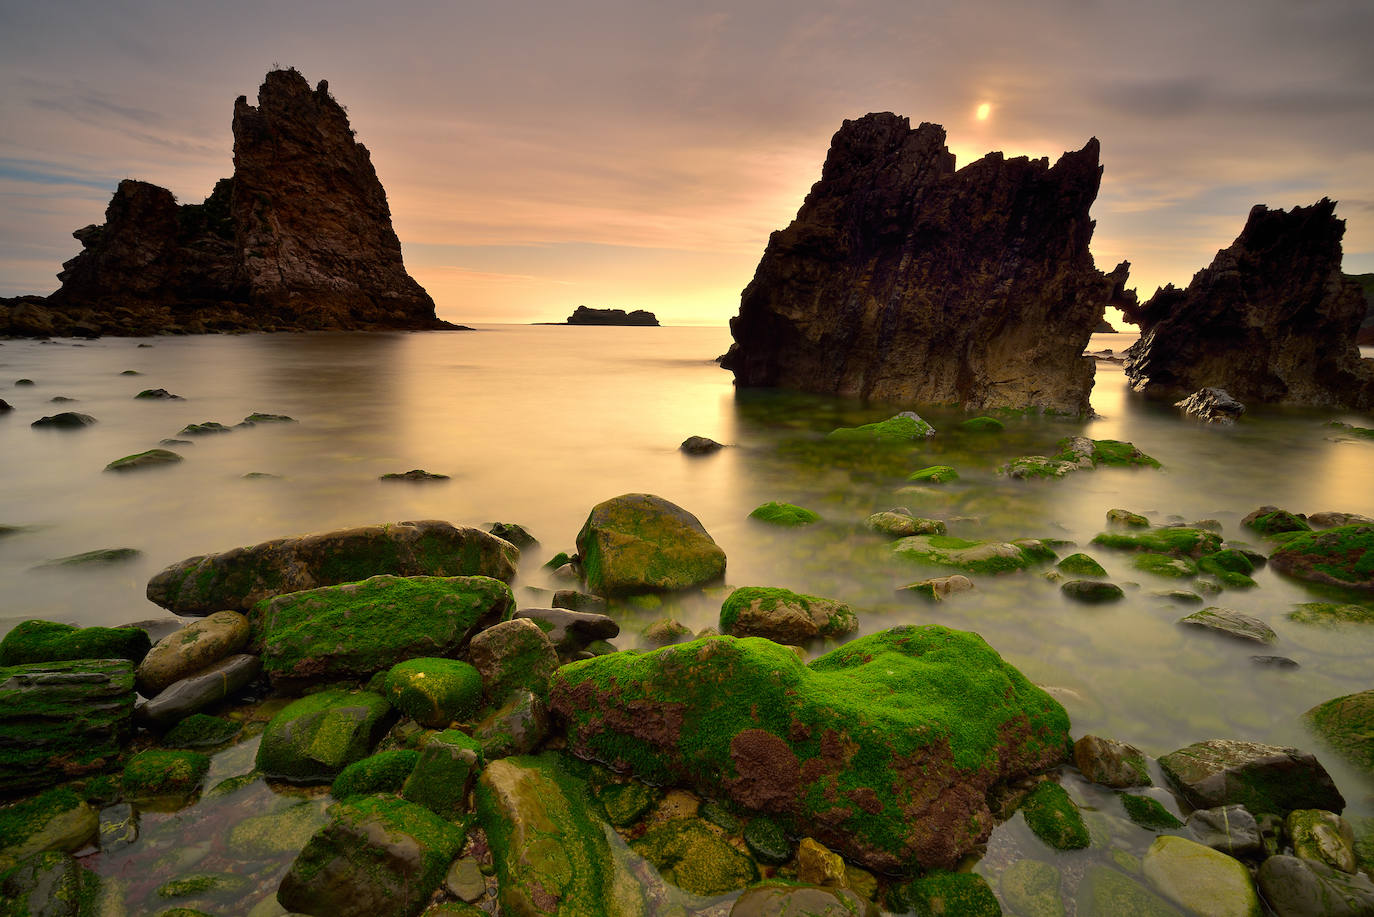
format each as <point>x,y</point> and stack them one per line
<point>1127,518</point>
<point>1077,453</point>
<point>787,515</point>
<point>982,425</point>
<point>972,556</point>
<point>901,524</point>
<point>1226,561</point>
<point>1110,763</point>
<point>1263,778</point>
<point>784,616</point>
<point>377,857</point>
<point>1149,813</point>
<point>1177,540</point>
<point>964,893</point>
<point>156,773</point>
<point>434,691</point>
<point>201,731</point>
<point>384,772</point>
<point>785,900</point>
<point>1164,565</point>
<point>1321,836</point>
<point>694,858</point>
<point>900,428</point>
<point>767,841</point>
<point>1270,520</point>
<point>55,884</point>
<point>1054,818</point>
<point>57,820</point>
<point>1031,887</point>
<point>152,458</point>
<point>1343,556</point>
<point>353,631</point>
<point>935,474</point>
<point>312,739</point>
<point>1080,565</point>
<point>1200,879</point>
<point>442,777</point>
<point>885,749</point>
<point>47,641</point>
<point>241,578</point>
<point>638,543</point>
<point>513,656</point>
<point>1346,724</point>
<point>1330,614</point>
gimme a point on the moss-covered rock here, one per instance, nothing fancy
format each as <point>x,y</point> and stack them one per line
<point>787,515</point>
<point>934,474</point>
<point>1105,892</point>
<point>1263,778</point>
<point>1293,885</point>
<point>784,616</point>
<point>857,747</point>
<point>1031,888</point>
<point>443,776</point>
<point>1149,813</point>
<point>312,739</point>
<point>1330,614</point>
<point>192,648</point>
<point>642,543</point>
<point>1322,836</point>
<point>57,820</point>
<point>152,458</point>
<point>628,802</point>
<point>1054,818</point>
<point>1110,763</point>
<point>199,884</point>
<point>1081,565</point>
<point>1227,561</point>
<point>513,656</point>
<point>1127,518</point>
<point>896,524</point>
<point>694,858</point>
<point>353,631</point>
<point>240,579</point>
<point>160,774</point>
<point>549,848</point>
<point>517,727</point>
<point>1342,556</point>
<point>384,772</point>
<point>1164,565</point>
<point>905,427</point>
<point>1270,520</point>
<point>1077,453</point>
<point>937,588</point>
<point>1346,724</point>
<point>1092,592</point>
<point>1231,623</point>
<point>1200,879</point>
<point>434,691</point>
<point>767,841</point>
<point>939,893</point>
<point>779,900</point>
<point>48,641</point>
<point>1178,541</point>
<point>982,425</point>
<point>970,556</point>
<point>377,857</point>
<point>201,731</point>
<point>54,885</point>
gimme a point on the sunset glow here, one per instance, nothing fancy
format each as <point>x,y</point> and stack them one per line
<point>984,110</point>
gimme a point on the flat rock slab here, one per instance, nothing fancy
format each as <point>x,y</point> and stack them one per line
<point>1263,778</point>
<point>638,543</point>
<point>239,579</point>
<point>1231,624</point>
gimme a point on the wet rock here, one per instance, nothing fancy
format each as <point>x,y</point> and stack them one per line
<point>384,772</point>
<point>66,420</point>
<point>628,802</point>
<point>1031,887</point>
<point>1077,453</point>
<point>938,588</point>
<point>1294,887</point>
<point>642,543</point>
<point>241,578</point>
<point>767,841</point>
<point>443,775</point>
<point>1212,405</point>
<point>434,691</point>
<point>1127,518</point>
<point>1226,561</point>
<point>353,631</point>
<point>464,880</point>
<point>5,406</point>
<point>1231,623</point>
<point>665,631</point>
<point>1105,892</point>
<point>194,647</point>
<point>1110,763</point>
<point>784,616</point>
<point>571,631</point>
<point>1275,662</point>
<point>818,865</point>
<point>518,727</point>
<point>201,731</point>
<point>700,445</point>
<point>1343,556</point>
<point>970,556</point>
<point>935,474</point>
<point>1054,818</point>
<point>1180,541</point>
<point>1263,778</point>
<point>60,720</point>
<point>54,885</point>
<point>1271,320</point>
<point>758,715</point>
<point>1330,520</point>
<point>1080,565</point>
<point>152,458</point>
<point>93,558</point>
<point>1092,592</point>
<point>1346,724</point>
<point>573,600</point>
<point>515,533</point>
<point>513,656</point>
<point>1149,813</point>
<point>160,774</point>
<point>57,820</point>
<point>158,394</point>
<point>906,427</point>
<point>203,429</point>
<point>793,901</point>
<point>1230,829</point>
<point>696,859</point>
<point>585,315</point>
<point>316,737</point>
<point>377,857</point>
<point>784,514</point>
<point>49,641</point>
<point>1200,879</point>
<point>933,312</point>
<point>1322,836</point>
<point>947,893</point>
<point>903,525</point>
<point>415,474</point>
<point>202,689</point>
<point>1270,520</point>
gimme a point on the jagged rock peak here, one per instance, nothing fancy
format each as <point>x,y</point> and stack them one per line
<point>1272,319</point>
<point>903,279</point>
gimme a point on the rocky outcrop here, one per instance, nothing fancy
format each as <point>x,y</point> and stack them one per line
<point>585,316</point>
<point>299,238</point>
<point>904,280</point>
<point>1211,405</point>
<point>1365,336</point>
<point>1271,320</point>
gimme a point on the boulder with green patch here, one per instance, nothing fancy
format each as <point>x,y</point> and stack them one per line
<point>192,648</point>
<point>1054,818</point>
<point>353,631</point>
<point>1164,565</point>
<point>906,427</point>
<point>787,515</point>
<point>1263,778</point>
<point>1105,892</point>
<point>442,777</point>
<point>1149,813</point>
<point>696,859</point>
<point>49,641</point>
<point>1270,520</point>
<point>1110,763</point>
<point>152,458</point>
<point>885,749</point>
<point>901,524</point>
<point>938,893</point>
<point>971,556</point>
<point>1322,836</point>
<point>784,616</point>
<point>1330,614</point>
<point>934,474</point>
<point>1200,879</point>
<point>57,820</point>
<point>513,656</point>
<point>1346,725</point>
<point>161,774</point>
<point>1080,565</point>
<point>638,543</point>
<point>1342,556</point>
<point>384,772</point>
<point>312,739</point>
<point>239,579</point>
<point>1031,888</point>
<point>1178,541</point>
<point>434,691</point>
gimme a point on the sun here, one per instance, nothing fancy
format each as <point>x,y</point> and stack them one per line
<point>984,109</point>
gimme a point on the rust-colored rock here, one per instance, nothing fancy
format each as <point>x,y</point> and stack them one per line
<point>904,280</point>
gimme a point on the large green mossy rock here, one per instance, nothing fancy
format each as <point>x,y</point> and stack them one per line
<point>906,427</point>
<point>1346,724</point>
<point>313,739</point>
<point>48,641</point>
<point>1054,818</point>
<point>57,820</point>
<point>442,777</point>
<point>353,631</point>
<point>1179,541</point>
<point>551,852</point>
<point>239,579</point>
<point>1270,520</point>
<point>784,616</point>
<point>434,691</point>
<point>377,857</point>
<point>1077,453</point>
<point>1200,879</point>
<point>885,749</point>
<point>384,772</point>
<point>972,556</point>
<point>638,543</point>
<point>939,893</point>
<point>1263,778</point>
<point>62,719</point>
<point>55,885</point>
<point>787,515</point>
<point>162,774</point>
<point>694,858</point>
<point>1341,556</point>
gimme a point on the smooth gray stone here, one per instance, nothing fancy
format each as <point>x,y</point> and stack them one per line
<point>196,692</point>
<point>569,630</point>
<point>1230,829</point>
<point>1295,887</point>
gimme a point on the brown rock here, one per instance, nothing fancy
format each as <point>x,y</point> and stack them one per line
<point>191,649</point>
<point>1272,319</point>
<point>904,280</point>
<point>1110,763</point>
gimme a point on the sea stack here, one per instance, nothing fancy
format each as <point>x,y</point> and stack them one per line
<point>905,280</point>
<point>299,238</point>
<point>1271,320</point>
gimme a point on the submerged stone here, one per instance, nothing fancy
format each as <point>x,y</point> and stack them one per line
<point>902,525</point>
<point>784,514</point>
<point>784,616</point>
<point>1164,565</point>
<point>159,774</point>
<point>801,901</point>
<point>1092,592</point>
<point>93,558</point>
<point>415,474</point>
<point>900,428</point>
<point>201,731</point>
<point>1346,724</point>
<point>1105,892</point>
<point>1231,624</point>
<point>638,543</point>
<point>1200,879</point>
<point>1054,818</point>
<point>1331,614</point>
<point>970,556</point>
<point>65,420</point>
<point>1031,888</point>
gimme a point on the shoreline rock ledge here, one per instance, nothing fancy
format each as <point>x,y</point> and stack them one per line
<point>904,280</point>
<point>300,238</point>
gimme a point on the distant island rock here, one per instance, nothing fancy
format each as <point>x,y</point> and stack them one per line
<point>585,316</point>
<point>1271,320</point>
<point>300,238</point>
<point>904,280</point>
<point>1104,327</point>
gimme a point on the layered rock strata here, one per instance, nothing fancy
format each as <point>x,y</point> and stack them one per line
<point>903,279</point>
<point>1271,320</point>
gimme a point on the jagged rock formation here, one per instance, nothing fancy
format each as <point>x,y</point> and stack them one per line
<point>299,238</point>
<point>1271,320</point>
<point>902,279</point>
<point>585,316</point>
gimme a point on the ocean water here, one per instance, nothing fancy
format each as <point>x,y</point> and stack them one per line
<point>536,424</point>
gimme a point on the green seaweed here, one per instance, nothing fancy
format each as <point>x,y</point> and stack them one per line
<point>783,514</point>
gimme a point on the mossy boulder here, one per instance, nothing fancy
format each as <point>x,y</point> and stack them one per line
<point>194,647</point>
<point>54,885</point>
<point>434,691</point>
<point>1346,724</point>
<point>570,629</point>
<point>1149,813</point>
<point>1179,541</point>
<point>1031,888</point>
<point>57,820</point>
<point>982,425</point>
<point>201,731</point>
<point>696,859</point>
<point>513,656</point>
<point>784,616</point>
<point>1322,836</point>
<point>1092,592</point>
<point>1270,520</point>
<point>884,749</point>
<point>442,777</point>
<point>62,719</point>
<point>628,802</point>
<point>550,850</point>
<point>1330,614</point>
<point>905,427</point>
<point>787,515</point>
<point>384,772</point>
<point>1165,565</point>
<point>1231,623</point>
<point>1293,885</point>
<point>1077,453</point>
<point>1110,763</point>
<point>1127,518</point>
<point>1227,561</point>
<point>934,474</point>
<point>767,841</point>
<point>1343,556</point>
<point>970,556</point>
<point>239,579</point>
<point>203,429</point>
<point>638,543</point>
<point>152,458</point>
<point>901,524</point>
<point>1054,818</point>
<point>48,641</point>
<point>1080,565</point>
<point>312,739</point>
<point>353,631</point>
<point>517,727</point>
<point>161,774</point>
<point>939,893</point>
<point>1266,779</point>
<point>377,857</point>
<point>1200,879</point>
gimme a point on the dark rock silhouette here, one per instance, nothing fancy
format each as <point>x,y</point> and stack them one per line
<point>1365,336</point>
<point>904,280</point>
<point>1271,320</point>
<point>585,316</point>
<point>299,238</point>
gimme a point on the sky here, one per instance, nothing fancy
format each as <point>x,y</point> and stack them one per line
<point>541,156</point>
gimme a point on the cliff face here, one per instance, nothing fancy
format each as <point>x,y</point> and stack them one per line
<point>902,279</point>
<point>299,238</point>
<point>1272,319</point>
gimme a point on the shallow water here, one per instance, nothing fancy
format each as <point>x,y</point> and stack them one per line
<point>536,424</point>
